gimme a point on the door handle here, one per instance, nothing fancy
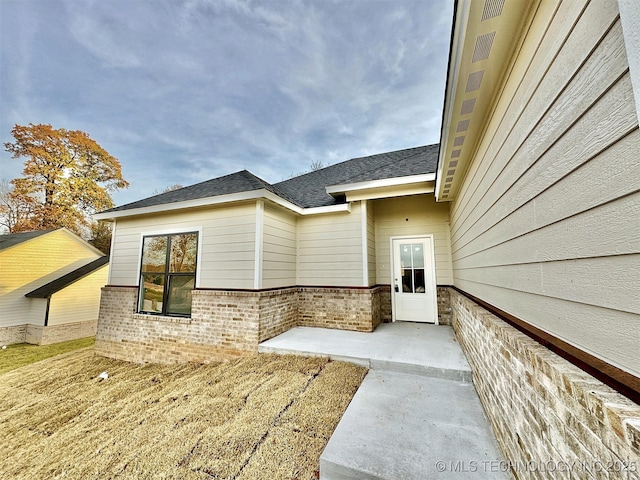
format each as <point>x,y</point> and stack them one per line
<point>397,289</point>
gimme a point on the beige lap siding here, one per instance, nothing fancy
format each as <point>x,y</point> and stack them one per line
<point>546,225</point>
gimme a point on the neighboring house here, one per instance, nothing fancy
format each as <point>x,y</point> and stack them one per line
<point>50,285</point>
<point>213,269</point>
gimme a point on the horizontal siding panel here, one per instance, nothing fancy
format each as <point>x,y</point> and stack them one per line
<point>544,81</point>
<point>610,335</point>
<point>614,279</point>
<point>610,229</point>
<point>617,164</point>
<point>611,118</point>
<point>227,242</point>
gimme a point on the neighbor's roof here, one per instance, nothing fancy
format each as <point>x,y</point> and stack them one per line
<point>13,239</point>
<point>308,190</point>
<point>59,283</point>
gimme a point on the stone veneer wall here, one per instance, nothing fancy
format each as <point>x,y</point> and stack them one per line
<point>548,415</point>
<point>13,335</point>
<point>41,335</point>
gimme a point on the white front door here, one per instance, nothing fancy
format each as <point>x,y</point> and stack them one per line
<point>413,287</point>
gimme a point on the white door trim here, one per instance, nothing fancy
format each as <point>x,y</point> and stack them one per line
<point>431,273</point>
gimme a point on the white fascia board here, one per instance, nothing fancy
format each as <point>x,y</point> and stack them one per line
<point>463,9</point>
<point>167,207</point>
<point>219,200</point>
<point>385,182</point>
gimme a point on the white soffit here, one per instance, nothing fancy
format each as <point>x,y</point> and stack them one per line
<point>485,34</point>
<point>383,183</point>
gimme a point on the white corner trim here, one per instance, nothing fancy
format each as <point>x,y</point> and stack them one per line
<point>111,249</point>
<point>365,243</point>
<point>259,245</point>
<point>385,182</point>
<point>630,19</point>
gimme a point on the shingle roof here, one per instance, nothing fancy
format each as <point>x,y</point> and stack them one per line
<point>65,280</point>
<point>13,239</point>
<point>306,190</point>
<point>309,190</point>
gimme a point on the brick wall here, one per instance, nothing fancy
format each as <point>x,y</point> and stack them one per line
<point>278,312</point>
<point>543,408</point>
<point>444,305</point>
<point>339,308</point>
<point>226,324</point>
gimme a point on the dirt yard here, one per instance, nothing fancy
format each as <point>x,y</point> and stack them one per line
<point>264,417</point>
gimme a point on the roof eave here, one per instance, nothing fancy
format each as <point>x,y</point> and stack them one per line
<point>474,81</point>
<point>220,200</point>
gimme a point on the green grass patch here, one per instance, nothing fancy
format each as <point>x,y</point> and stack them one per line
<point>21,354</point>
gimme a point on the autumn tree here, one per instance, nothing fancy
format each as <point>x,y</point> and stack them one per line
<point>67,177</point>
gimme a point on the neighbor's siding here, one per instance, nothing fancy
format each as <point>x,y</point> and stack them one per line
<point>80,301</point>
<point>412,215</point>
<point>32,264</point>
<point>227,245</point>
<point>330,249</point>
<point>279,248</point>
<point>546,226</point>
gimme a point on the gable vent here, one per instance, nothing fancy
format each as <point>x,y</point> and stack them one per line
<point>492,8</point>
<point>483,47</point>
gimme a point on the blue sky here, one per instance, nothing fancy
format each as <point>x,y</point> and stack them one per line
<point>184,91</point>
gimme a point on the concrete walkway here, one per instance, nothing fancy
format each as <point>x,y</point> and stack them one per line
<point>415,416</point>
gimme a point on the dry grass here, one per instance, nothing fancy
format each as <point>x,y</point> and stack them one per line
<point>263,417</point>
<point>18,355</point>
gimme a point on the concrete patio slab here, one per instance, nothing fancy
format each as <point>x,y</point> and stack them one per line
<point>418,348</point>
<point>405,427</point>
<point>415,416</point>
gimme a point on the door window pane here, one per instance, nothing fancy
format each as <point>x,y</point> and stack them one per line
<point>418,255</point>
<point>179,298</point>
<point>418,280</point>
<point>407,281</point>
<point>405,256</point>
<point>153,292</point>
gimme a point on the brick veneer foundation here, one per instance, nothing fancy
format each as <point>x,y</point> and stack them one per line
<point>551,419</point>
<point>227,324</point>
<point>41,335</point>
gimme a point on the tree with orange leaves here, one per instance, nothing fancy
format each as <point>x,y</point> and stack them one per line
<point>67,177</point>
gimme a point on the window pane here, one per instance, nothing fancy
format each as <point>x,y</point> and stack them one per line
<point>154,254</point>
<point>405,255</point>
<point>418,280</point>
<point>151,300</point>
<point>179,299</point>
<point>407,285</point>
<point>418,255</point>
<point>184,249</point>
